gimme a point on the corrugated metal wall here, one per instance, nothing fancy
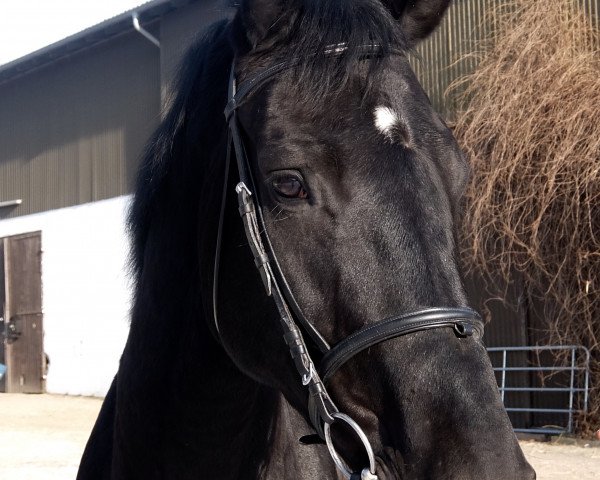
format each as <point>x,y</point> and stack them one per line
<point>441,58</point>
<point>444,57</point>
<point>71,132</point>
<point>2,313</point>
<point>592,8</point>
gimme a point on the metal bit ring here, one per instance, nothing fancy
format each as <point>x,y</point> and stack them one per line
<point>367,473</point>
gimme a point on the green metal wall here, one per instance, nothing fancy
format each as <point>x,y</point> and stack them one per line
<point>444,56</point>
<point>71,132</point>
<point>437,62</point>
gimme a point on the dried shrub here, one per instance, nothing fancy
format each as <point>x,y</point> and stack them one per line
<point>530,124</point>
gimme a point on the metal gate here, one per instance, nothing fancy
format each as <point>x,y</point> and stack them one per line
<point>569,379</point>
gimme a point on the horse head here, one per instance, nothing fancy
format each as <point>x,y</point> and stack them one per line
<point>358,182</point>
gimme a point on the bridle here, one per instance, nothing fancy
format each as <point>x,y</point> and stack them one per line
<point>322,410</point>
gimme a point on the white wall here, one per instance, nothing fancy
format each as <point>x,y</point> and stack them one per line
<point>86,292</point>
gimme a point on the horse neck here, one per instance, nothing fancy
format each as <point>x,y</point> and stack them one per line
<point>241,428</point>
<point>184,408</point>
<point>224,414</point>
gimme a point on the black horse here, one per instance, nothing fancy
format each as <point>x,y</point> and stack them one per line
<point>356,182</point>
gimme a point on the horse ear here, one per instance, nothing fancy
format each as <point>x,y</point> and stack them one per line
<point>418,18</point>
<point>262,17</point>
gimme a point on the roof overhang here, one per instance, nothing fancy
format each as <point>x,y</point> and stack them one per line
<point>147,13</point>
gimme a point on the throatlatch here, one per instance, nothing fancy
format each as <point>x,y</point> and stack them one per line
<point>322,410</point>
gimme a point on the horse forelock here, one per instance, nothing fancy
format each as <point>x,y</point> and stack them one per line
<point>310,30</point>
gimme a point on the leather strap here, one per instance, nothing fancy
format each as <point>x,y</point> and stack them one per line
<point>247,179</point>
<point>255,230</point>
<point>464,321</point>
<point>215,299</point>
<point>247,87</point>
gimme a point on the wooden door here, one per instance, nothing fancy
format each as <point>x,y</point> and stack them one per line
<point>23,320</point>
<point>2,305</point>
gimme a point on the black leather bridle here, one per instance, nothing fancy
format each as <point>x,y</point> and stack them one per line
<point>322,409</point>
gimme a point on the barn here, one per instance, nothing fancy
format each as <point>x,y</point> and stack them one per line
<point>74,118</point>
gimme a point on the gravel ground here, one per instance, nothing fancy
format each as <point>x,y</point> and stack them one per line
<point>42,438</point>
<point>554,461</point>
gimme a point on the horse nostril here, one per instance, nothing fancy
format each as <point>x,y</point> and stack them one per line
<point>527,472</point>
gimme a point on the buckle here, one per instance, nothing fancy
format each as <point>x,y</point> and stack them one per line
<point>242,187</point>
<point>463,329</point>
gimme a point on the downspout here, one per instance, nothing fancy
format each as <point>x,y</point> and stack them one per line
<point>136,24</point>
<point>11,203</point>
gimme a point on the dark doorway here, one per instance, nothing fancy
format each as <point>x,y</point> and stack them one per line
<point>21,300</point>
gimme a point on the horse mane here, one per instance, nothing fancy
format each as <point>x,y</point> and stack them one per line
<point>178,155</point>
<point>309,29</point>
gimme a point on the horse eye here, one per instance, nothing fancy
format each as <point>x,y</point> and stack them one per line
<point>289,187</point>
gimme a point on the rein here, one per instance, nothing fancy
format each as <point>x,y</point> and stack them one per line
<point>322,410</point>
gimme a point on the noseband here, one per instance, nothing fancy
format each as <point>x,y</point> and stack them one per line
<point>322,410</point>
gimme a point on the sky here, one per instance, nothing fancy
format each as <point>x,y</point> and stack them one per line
<point>28,25</point>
